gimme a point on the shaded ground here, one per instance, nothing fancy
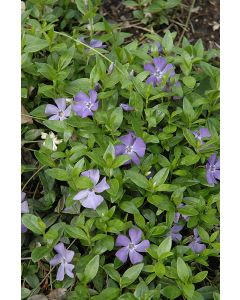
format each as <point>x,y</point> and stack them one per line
<point>203,23</point>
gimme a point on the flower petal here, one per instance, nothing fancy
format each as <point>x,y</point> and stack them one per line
<point>93,96</point>
<point>169,69</point>
<point>101,186</point>
<point>176,237</point>
<point>135,257</point>
<point>51,110</point>
<point>135,235</point>
<point>23,195</point>
<point>143,246</point>
<point>95,106</point>
<point>95,43</point>
<point>152,79</point>
<point>60,249</point>
<point>94,175</point>
<point>210,179</point>
<point>68,270</point>
<point>23,228</point>
<point>212,159</point>
<point>149,67</point>
<point>68,111</point>
<point>24,207</point>
<point>122,240</point>
<point>196,247</point>
<point>61,103</point>
<point>56,260</point>
<point>127,139</point>
<point>176,228</point>
<point>160,63</point>
<point>119,149</point>
<point>204,132</point>
<point>69,255</point>
<point>122,254</point>
<point>217,164</point>
<point>92,201</point>
<point>81,97</point>
<point>60,272</point>
<point>139,147</point>
<point>81,195</point>
<point>134,158</point>
<point>217,174</point>
<point>55,117</point>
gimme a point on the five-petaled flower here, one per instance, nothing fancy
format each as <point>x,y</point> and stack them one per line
<point>64,257</point>
<point>132,146</point>
<point>85,105</point>
<point>196,245</point>
<point>160,69</point>
<point>59,111</point>
<point>174,233</point>
<point>213,169</point>
<point>24,210</point>
<point>88,197</point>
<point>201,134</point>
<point>131,246</point>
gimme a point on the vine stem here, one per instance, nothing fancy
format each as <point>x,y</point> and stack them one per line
<point>187,21</point>
<point>32,177</point>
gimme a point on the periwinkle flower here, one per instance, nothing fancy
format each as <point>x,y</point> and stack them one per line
<point>88,197</point>
<point>196,245</point>
<point>85,105</point>
<point>63,257</point>
<point>131,247</point>
<point>213,169</point>
<point>126,107</point>
<point>24,210</point>
<point>60,111</point>
<point>132,146</point>
<point>93,43</point>
<point>201,134</point>
<point>174,233</point>
<point>158,70</point>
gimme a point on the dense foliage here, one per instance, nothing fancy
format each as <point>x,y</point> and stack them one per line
<point>120,171</point>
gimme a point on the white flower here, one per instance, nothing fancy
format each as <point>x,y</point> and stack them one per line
<point>53,137</point>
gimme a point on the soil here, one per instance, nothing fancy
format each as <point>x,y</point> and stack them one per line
<point>203,23</point>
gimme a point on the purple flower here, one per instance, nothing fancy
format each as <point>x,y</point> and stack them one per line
<point>64,257</point>
<point>160,68</point>
<point>85,105</point>
<point>58,111</point>
<point>196,245</point>
<point>213,169</point>
<point>93,43</point>
<point>88,198</point>
<point>131,246</point>
<point>24,210</point>
<point>178,215</point>
<point>126,107</point>
<point>201,134</point>
<point>131,145</point>
<point>174,233</point>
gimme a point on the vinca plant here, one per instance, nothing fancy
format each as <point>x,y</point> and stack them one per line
<point>120,159</point>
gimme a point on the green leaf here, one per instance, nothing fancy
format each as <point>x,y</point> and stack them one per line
<point>189,81</point>
<point>66,58</point>
<point>165,246</point>
<point>171,292</point>
<point>188,109</point>
<point>189,137</point>
<point>116,118</point>
<point>109,269</point>
<point>167,41</point>
<point>188,210</point>
<point>25,293</point>
<point>39,252</point>
<point>44,159</point>
<point>160,177</point>
<point>160,269</point>
<point>199,277</point>
<point>75,232</point>
<point>35,224</point>
<point>138,179</point>
<point>81,6</point>
<point>131,275</point>
<point>182,270</point>
<point>58,174</point>
<point>34,44</point>
<point>91,269</point>
<point>110,293</point>
<point>58,126</point>
<point>47,71</point>
<point>189,160</point>
<point>119,161</point>
<point>82,182</point>
<point>109,155</point>
<point>129,207</point>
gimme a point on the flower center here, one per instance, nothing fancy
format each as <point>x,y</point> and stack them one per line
<point>129,149</point>
<point>89,105</point>
<point>131,246</point>
<point>61,113</point>
<point>158,74</point>
<point>212,168</point>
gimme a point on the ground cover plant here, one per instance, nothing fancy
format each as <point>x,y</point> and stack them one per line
<point>120,159</point>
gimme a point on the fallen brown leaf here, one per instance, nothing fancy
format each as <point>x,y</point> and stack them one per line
<point>25,117</point>
<point>57,294</point>
<point>38,297</point>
